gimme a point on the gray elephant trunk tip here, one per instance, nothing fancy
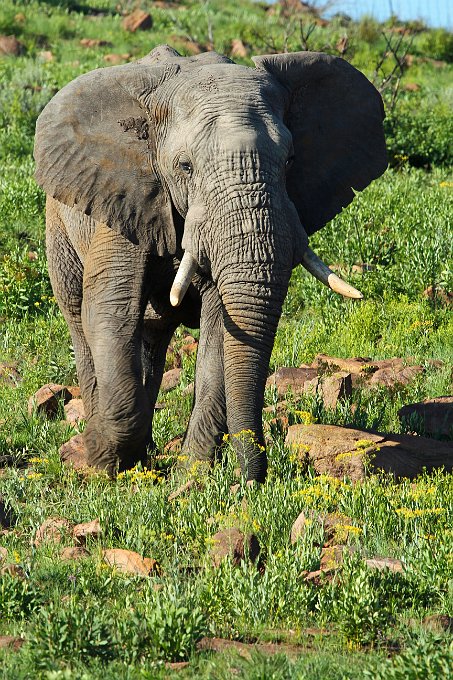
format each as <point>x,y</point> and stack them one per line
<point>183,278</point>
<point>321,271</point>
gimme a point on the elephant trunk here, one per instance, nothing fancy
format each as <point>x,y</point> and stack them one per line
<point>250,321</point>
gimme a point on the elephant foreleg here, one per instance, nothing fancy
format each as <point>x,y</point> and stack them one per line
<point>207,423</point>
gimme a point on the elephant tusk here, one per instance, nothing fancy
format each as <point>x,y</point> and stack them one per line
<point>183,277</point>
<point>321,271</point>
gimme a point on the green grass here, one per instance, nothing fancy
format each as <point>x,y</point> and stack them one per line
<point>85,620</point>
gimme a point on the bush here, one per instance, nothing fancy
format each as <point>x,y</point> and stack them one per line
<point>18,598</point>
<point>425,660</point>
<point>24,285</point>
<point>437,44</point>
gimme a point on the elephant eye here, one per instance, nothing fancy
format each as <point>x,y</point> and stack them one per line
<point>289,162</point>
<point>186,167</point>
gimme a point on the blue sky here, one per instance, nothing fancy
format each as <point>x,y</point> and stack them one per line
<point>436,13</point>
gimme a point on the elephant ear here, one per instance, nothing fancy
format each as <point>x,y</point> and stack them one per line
<point>95,151</point>
<point>335,117</point>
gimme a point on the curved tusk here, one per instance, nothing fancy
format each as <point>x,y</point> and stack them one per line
<point>321,271</point>
<point>183,277</point>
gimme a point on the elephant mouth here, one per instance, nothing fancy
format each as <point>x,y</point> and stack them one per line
<point>310,261</point>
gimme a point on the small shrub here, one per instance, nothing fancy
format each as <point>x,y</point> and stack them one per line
<point>24,285</point>
<point>423,660</point>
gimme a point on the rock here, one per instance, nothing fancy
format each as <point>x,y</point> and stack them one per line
<point>12,569</point>
<point>291,379</point>
<point>11,642</point>
<point>46,56</point>
<point>174,445</point>
<point>184,488</point>
<point>7,515</point>
<point>116,58</point>
<point>411,87</point>
<point>9,45</point>
<point>331,388</point>
<point>129,562</point>
<point>232,544</point>
<point>341,451</point>
<point>94,42</point>
<point>439,623</point>
<point>53,530</point>
<point>3,554</point>
<point>9,374</point>
<point>184,44</point>
<point>393,372</point>
<point>332,556</point>
<point>189,345</point>
<point>319,576</point>
<point>74,411</point>
<point>74,453</point>
<point>299,527</point>
<point>74,554</point>
<point>87,529</point>
<point>435,416</point>
<point>171,379</point>
<point>138,20</point>
<point>337,528</point>
<point>363,268</point>
<point>238,49</point>
<point>381,563</point>
<point>47,398</point>
<point>438,295</point>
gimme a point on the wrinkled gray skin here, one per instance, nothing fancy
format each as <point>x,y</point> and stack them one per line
<point>145,161</point>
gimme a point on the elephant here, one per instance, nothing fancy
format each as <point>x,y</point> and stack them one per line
<point>183,190</point>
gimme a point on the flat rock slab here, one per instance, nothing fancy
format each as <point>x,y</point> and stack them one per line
<point>434,415</point>
<point>347,452</point>
<point>293,379</point>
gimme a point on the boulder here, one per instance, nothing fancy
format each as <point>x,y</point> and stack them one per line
<point>291,379</point>
<point>11,642</point>
<point>94,42</point>
<point>435,416</point>
<point>381,563</point>
<point>331,388</point>
<point>130,562</point>
<point>3,554</point>
<point>47,398</point>
<point>392,372</point>
<point>74,412</point>
<point>232,544</point>
<point>238,49</point>
<point>115,59</point>
<point>10,45</point>
<point>138,20</point>
<point>74,453</point>
<point>170,379</point>
<point>53,530</point>
<point>341,451</point>
<point>74,554</point>
<point>86,530</point>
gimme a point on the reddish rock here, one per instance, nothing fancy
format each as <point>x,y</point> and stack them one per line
<point>332,556</point>
<point>53,530</point>
<point>393,372</point>
<point>238,49</point>
<point>138,20</point>
<point>291,379</point>
<point>11,642</point>
<point>341,451</point>
<point>434,415</point>
<point>336,528</point>
<point>87,529</point>
<point>363,268</point>
<point>411,87</point>
<point>184,488</point>
<point>171,379</point>
<point>3,554</point>
<point>186,45</point>
<point>9,45</point>
<point>331,388</point>
<point>358,365</point>
<point>12,569</point>
<point>232,544</point>
<point>381,563</point>
<point>439,623</point>
<point>439,295</point>
<point>74,554</point>
<point>129,562</point>
<point>9,374</point>
<point>115,59</point>
<point>94,42</point>
<point>46,56</point>
<point>299,526</point>
<point>74,411</point>
<point>174,445</point>
<point>48,397</point>
<point>74,453</point>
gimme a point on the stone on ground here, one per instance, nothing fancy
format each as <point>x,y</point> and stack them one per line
<point>10,45</point>
<point>171,379</point>
<point>86,530</point>
<point>130,562</point>
<point>48,397</point>
<point>232,544</point>
<point>74,412</point>
<point>74,453</point>
<point>74,553</point>
<point>347,452</point>
<point>53,530</point>
<point>138,20</point>
<point>434,415</point>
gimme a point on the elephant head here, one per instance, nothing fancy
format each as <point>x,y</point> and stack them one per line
<point>254,160</point>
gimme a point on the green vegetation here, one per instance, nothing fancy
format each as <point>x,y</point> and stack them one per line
<point>85,619</point>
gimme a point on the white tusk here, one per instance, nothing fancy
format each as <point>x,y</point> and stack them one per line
<point>321,271</point>
<point>183,277</point>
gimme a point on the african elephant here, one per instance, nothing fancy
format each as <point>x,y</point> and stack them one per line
<point>184,190</point>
